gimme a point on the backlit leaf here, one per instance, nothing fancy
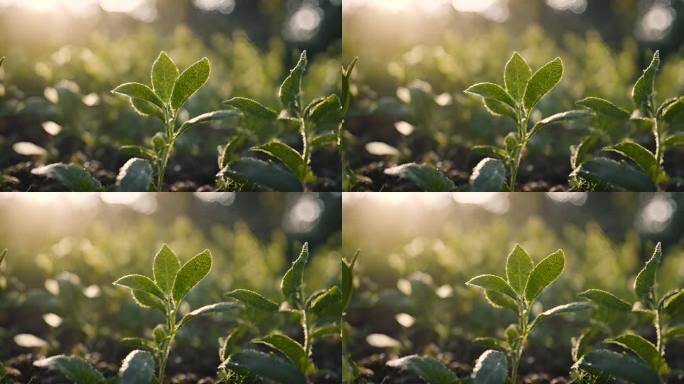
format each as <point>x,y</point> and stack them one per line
<point>542,82</point>
<point>544,274</point>
<point>646,279</point>
<point>166,266</point>
<point>75,369</point>
<point>137,368</point>
<point>259,364</point>
<point>426,177</point>
<point>190,274</point>
<point>490,368</point>
<point>189,82</point>
<point>488,176</point>
<point>519,266</point>
<point>134,176</point>
<point>516,76</point>
<point>618,366</point>
<point>429,369</point>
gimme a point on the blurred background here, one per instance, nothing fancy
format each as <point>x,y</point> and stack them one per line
<point>418,250</point>
<point>64,57</point>
<point>417,57</point>
<point>65,250</point>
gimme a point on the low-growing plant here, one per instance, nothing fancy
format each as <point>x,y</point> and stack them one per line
<point>134,176</point>
<point>663,311</point>
<point>518,292</point>
<point>136,368</point>
<point>319,316</point>
<point>490,368</point>
<point>350,371</point>
<point>659,119</point>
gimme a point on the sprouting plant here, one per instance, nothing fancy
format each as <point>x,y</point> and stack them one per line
<point>648,115</point>
<point>663,312</point>
<point>136,368</point>
<point>164,292</point>
<point>490,368</point>
<point>347,174</point>
<point>349,369</point>
<point>170,90</point>
<point>319,123</point>
<point>319,316</point>
<point>134,176</point>
<point>523,91</point>
<point>518,292</point>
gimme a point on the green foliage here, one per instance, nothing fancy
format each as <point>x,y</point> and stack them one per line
<point>136,368</point>
<point>425,176</point>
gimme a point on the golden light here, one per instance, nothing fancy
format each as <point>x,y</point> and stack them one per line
<point>78,7</point>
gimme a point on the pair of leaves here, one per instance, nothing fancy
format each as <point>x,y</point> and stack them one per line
<point>257,364</point>
<point>134,176</point>
<point>490,368</point>
<point>425,176</point>
<point>136,368</point>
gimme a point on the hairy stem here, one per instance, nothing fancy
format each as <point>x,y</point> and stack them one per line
<point>523,322</point>
<point>166,347</point>
<point>306,326</point>
<point>306,145</point>
<point>660,332</point>
<point>166,153</point>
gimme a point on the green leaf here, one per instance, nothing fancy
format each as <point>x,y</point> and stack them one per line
<point>208,310</point>
<point>288,156</point>
<point>139,91</point>
<point>492,91</point>
<point>493,283</point>
<point>137,368</point>
<point>610,173</point>
<point>558,118</point>
<point>606,299</point>
<point>643,90</point>
<point>618,366</point>
<point>490,150</point>
<point>206,118</point>
<point>190,274</point>
<point>292,281</point>
<point>674,113</point>
<point>346,76</point>
<point>498,108</point>
<point>145,108</point>
<point>516,76</point>
<point>488,176</point>
<point>429,369</point>
<point>425,176</point>
<point>604,107</point>
<point>500,300</point>
<point>290,90</point>
<point>253,300</point>
<point>561,310</point>
<point>164,76</point>
<point>249,362</point>
<point>347,285</point>
<point>134,176</point>
<point>542,82</point>
<point>189,82</point>
<point>139,150</point>
<point>643,348</point>
<point>252,108</point>
<point>73,177</point>
<point>75,369</point>
<point>148,300</point>
<point>646,279</point>
<point>519,266</point>
<point>292,350</point>
<point>674,140</point>
<point>166,266</point>
<point>674,305</point>
<point>644,158</point>
<point>675,332</point>
<point>491,368</point>
<point>326,111</point>
<point>324,139</point>
<point>328,303</point>
<point>141,283</point>
<point>544,274</point>
<point>263,175</point>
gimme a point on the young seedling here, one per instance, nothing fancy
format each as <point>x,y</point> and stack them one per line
<point>136,368</point>
<point>349,369</point>
<point>490,368</point>
<point>516,100</point>
<point>164,292</point>
<point>319,314</point>
<point>518,292</point>
<point>650,174</point>
<point>662,310</point>
<point>164,100</point>
<point>319,123</point>
<point>135,176</point>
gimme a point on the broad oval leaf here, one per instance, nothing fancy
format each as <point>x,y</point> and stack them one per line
<point>291,349</point>
<point>604,362</point>
<point>292,281</point>
<point>674,113</point>
<point>190,274</point>
<point>259,364</point>
<point>253,300</point>
<point>500,300</point>
<point>141,283</point>
<point>645,280</point>
<point>326,111</point>
<point>145,108</point>
<point>643,348</point>
<point>606,299</point>
<point>488,176</point>
<point>674,305</point>
<point>429,369</point>
<point>137,368</point>
<point>493,283</point>
<point>210,309</point>
<point>563,309</point>
<point>291,87</point>
<point>205,118</point>
<point>263,175</point>
<point>425,176</point>
<point>134,176</point>
<point>148,300</point>
<point>139,91</point>
<point>498,108</point>
<point>610,173</point>
<point>644,158</point>
<point>519,266</point>
<point>166,266</point>
<point>288,156</point>
<point>544,274</point>
<point>542,82</point>
<point>558,118</point>
<point>189,82</point>
<point>327,303</point>
<point>604,107</point>
<point>73,368</point>
<point>491,368</point>
<point>492,91</point>
<point>644,88</point>
<point>164,76</point>
<point>252,107</point>
<point>73,177</point>
<point>516,76</point>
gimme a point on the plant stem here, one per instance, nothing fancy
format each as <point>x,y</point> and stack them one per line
<point>306,326</point>
<point>306,145</point>
<point>166,348</point>
<point>659,325</point>
<point>520,344</point>
<point>164,160</point>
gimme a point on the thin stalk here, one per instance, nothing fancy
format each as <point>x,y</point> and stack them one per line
<point>522,145</point>
<point>520,344</point>
<point>166,348</point>
<point>306,326</point>
<point>660,331</point>
<point>306,150</point>
<point>166,153</point>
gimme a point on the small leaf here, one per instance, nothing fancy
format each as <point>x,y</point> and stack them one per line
<point>643,90</point>
<point>141,283</point>
<point>544,274</point>
<point>644,158</point>
<point>493,283</point>
<point>675,332</point>
<point>642,347</point>
<point>263,175</point>
<point>491,368</point>
<point>252,108</point>
<point>145,108</point>
<point>604,107</point>
<point>288,156</point>
<point>604,362</point>
<point>542,82</point>
<point>73,177</point>
<point>164,76</point>
<point>190,274</point>
<point>516,76</point>
<point>490,150</point>
<point>674,305</point>
<point>519,266</point>
<point>206,118</point>
<point>210,309</point>
<point>148,300</point>
<point>189,82</point>
<point>429,369</point>
<point>292,281</point>
<point>674,140</point>
<point>646,279</point>
<point>139,91</point>
<point>488,176</point>
<point>324,139</point>
<point>347,284</point>
<point>327,304</point>
<point>249,362</point>
<point>346,76</point>
<point>166,266</point>
<point>425,176</point>
<point>253,300</point>
<point>326,111</point>
<point>134,176</point>
<point>498,108</point>
<point>292,350</point>
<point>291,88</point>
<point>137,368</point>
<point>559,117</point>
<point>562,309</point>
<point>606,299</point>
<point>492,91</point>
<point>674,113</point>
<point>75,369</point>
<point>610,173</point>
<point>500,300</point>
